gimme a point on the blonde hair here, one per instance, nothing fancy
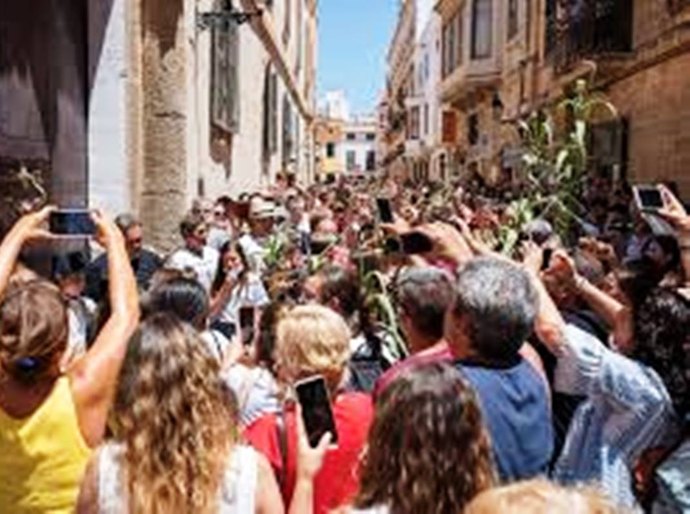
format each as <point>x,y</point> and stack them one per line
<point>173,417</point>
<point>542,497</point>
<point>313,340</point>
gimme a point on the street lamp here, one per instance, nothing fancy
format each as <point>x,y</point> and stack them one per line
<point>228,13</point>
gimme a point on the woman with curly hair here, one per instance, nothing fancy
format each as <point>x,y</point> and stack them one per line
<point>428,451</point>
<point>175,444</point>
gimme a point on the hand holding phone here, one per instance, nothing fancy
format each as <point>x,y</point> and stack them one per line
<point>648,198</point>
<point>72,223</point>
<point>385,210</point>
<point>317,413</point>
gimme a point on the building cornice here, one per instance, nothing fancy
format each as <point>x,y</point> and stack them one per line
<point>265,31</point>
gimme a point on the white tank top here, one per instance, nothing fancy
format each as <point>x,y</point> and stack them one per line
<point>237,495</point>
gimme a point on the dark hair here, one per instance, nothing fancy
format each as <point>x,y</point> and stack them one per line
<point>125,221</point>
<point>425,294</point>
<point>662,341</point>
<point>638,278</point>
<point>183,297</point>
<point>33,330</point>
<point>499,303</point>
<point>190,223</point>
<point>427,450</point>
<point>669,245</point>
<point>342,285</point>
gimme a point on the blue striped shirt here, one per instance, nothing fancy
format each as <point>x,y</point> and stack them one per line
<point>627,411</point>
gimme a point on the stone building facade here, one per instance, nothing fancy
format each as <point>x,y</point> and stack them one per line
<point>501,59</point>
<point>151,103</point>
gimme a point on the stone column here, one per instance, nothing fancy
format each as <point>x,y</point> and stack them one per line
<point>164,120</point>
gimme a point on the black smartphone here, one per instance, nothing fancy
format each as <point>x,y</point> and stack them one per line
<point>547,254</point>
<point>317,413</point>
<point>385,211</point>
<point>648,198</point>
<point>72,222</point>
<point>247,324</point>
<point>414,243</point>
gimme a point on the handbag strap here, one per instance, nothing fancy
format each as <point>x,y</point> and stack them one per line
<point>281,432</point>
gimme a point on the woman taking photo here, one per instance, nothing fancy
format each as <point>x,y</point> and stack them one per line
<point>175,448</point>
<point>50,418</point>
<point>314,340</point>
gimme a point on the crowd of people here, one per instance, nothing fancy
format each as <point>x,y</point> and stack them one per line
<point>549,377</point>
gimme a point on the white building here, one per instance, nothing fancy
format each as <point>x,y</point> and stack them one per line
<point>345,143</point>
<point>358,148</point>
<point>423,151</point>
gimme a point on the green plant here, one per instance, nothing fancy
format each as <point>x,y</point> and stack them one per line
<point>556,159</point>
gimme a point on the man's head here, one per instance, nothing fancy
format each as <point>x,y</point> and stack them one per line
<point>296,206</point>
<point>493,312</point>
<point>203,207</point>
<point>132,230</point>
<point>423,295</point>
<point>194,231</point>
<point>262,215</point>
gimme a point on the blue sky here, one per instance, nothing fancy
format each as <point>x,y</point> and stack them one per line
<point>353,39</point>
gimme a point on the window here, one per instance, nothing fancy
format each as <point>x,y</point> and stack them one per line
<point>451,44</point>
<point>371,160</point>
<point>513,18</point>
<point>449,129</point>
<point>413,129</point>
<point>426,119</point>
<point>351,160</point>
<point>351,136</point>
<point>481,29</point>
<point>287,131</point>
<point>371,137</point>
<point>270,106</point>
<point>473,129</point>
<point>330,150</point>
<point>224,73</point>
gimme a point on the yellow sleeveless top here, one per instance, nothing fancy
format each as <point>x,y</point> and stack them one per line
<point>42,457</point>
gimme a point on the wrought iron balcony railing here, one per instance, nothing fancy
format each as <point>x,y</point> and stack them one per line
<point>579,29</point>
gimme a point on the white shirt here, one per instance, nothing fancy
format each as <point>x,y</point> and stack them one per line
<point>254,251</point>
<point>205,265</point>
<point>250,293</point>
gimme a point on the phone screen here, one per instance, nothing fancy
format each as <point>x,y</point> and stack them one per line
<point>414,243</point>
<point>316,410</point>
<point>385,211</point>
<point>547,254</point>
<point>72,223</point>
<point>650,198</point>
<point>247,324</point>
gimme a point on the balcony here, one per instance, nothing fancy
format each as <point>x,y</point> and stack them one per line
<point>468,78</point>
<point>586,30</point>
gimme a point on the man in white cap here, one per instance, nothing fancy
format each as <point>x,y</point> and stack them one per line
<point>262,215</point>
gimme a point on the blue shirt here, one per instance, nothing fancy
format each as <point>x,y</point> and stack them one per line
<point>627,410</point>
<point>517,413</point>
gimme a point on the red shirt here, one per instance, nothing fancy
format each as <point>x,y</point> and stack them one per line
<point>437,353</point>
<point>337,482</point>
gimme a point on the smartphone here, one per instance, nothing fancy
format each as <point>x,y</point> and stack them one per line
<point>317,413</point>
<point>648,198</point>
<point>72,222</point>
<point>414,243</point>
<point>547,254</point>
<point>247,317</point>
<point>385,211</point>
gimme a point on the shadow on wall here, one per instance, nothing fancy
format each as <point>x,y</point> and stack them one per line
<point>161,18</point>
